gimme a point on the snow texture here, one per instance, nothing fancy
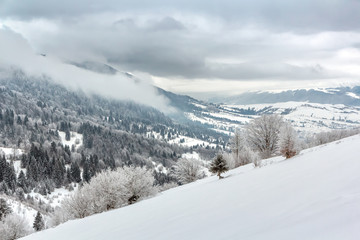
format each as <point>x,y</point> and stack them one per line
<point>76,139</point>
<point>314,195</point>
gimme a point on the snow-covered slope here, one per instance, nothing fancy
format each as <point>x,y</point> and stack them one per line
<point>315,195</point>
<point>305,117</point>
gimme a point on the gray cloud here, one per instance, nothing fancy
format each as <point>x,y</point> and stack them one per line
<point>116,85</point>
<point>279,14</point>
<point>229,40</point>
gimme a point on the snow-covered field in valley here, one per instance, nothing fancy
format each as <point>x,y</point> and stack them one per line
<point>304,116</point>
<point>315,195</point>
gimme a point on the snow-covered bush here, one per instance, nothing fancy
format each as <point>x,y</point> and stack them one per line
<point>106,191</point>
<point>13,227</point>
<point>247,155</point>
<point>110,190</point>
<point>138,183</point>
<point>79,205</point>
<point>59,216</point>
<point>230,160</point>
<point>326,137</point>
<point>187,170</point>
<point>288,141</point>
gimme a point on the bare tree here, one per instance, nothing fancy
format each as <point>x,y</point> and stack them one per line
<point>187,170</point>
<point>79,205</point>
<point>263,134</point>
<point>13,227</point>
<point>237,143</point>
<point>138,183</point>
<point>288,142</point>
<point>247,156</point>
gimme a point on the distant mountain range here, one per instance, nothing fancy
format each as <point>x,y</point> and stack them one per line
<point>349,96</point>
<point>309,111</point>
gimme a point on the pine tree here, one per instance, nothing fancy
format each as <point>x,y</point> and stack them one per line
<point>75,172</point>
<point>21,181</point>
<point>67,135</point>
<point>39,222</point>
<point>86,173</point>
<point>2,167</point>
<point>10,176</point>
<point>4,209</point>
<point>218,165</point>
<point>59,173</point>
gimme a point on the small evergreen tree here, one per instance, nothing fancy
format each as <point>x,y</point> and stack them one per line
<point>67,135</point>
<point>218,165</point>
<point>21,181</point>
<point>86,173</point>
<point>39,222</point>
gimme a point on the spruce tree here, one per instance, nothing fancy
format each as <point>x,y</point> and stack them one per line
<point>21,181</point>
<point>75,172</point>
<point>86,173</point>
<point>219,165</point>
<point>39,222</point>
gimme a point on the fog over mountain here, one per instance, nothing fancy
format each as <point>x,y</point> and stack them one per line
<point>117,85</point>
<point>200,48</point>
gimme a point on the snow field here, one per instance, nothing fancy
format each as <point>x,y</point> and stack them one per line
<point>304,116</point>
<point>76,139</point>
<point>314,195</point>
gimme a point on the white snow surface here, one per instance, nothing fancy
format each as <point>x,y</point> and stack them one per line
<point>189,142</point>
<point>11,152</point>
<point>314,195</point>
<point>353,95</point>
<point>76,139</point>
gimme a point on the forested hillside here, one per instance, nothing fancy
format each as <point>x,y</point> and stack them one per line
<point>67,136</point>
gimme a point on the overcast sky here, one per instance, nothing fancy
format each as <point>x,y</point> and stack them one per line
<point>203,48</point>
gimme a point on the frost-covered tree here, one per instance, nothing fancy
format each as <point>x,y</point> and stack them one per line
<point>106,191</point>
<point>4,209</point>
<point>79,205</point>
<point>110,190</point>
<point>230,160</point>
<point>237,143</point>
<point>138,182</point>
<point>13,227</point>
<point>187,170</point>
<point>263,134</point>
<point>39,223</point>
<point>247,156</point>
<point>219,166</point>
<point>288,141</point>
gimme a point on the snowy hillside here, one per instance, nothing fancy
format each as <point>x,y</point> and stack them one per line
<point>315,195</point>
